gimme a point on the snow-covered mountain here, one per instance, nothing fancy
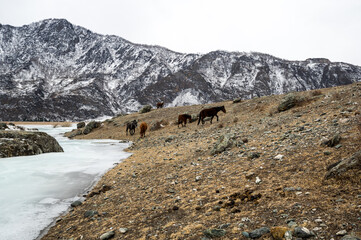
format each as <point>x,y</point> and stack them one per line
<point>54,70</point>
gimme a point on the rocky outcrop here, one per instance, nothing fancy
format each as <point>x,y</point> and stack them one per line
<point>23,143</point>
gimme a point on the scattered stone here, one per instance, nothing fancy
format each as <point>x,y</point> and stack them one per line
<point>303,232</point>
<point>90,213</point>
<point>175,208</point>
<point>259,232</point>
<point>279,157</point>
<point>224,226</point>
<point>76,203</point>
<point>245,234</point>
<point>254,155</point>
<point>107,235</point>
<point>123,230</point>
<point>258,180</point>
<point>341,233</point>
<point>333,141</point>
<point>214,233</point>
<point>223,142</point>
<point>349,237</point>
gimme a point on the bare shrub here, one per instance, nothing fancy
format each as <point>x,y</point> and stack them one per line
<point>235,119</point>
<point>336,96</point>
<point>316,93</point>
<point>220,125</point>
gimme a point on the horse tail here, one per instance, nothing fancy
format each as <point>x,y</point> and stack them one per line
<point>199,117</point>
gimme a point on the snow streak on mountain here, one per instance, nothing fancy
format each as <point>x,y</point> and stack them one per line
<point>53,70</point>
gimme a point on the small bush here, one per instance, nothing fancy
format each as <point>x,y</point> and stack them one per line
<point>336,96</point>
<point>316,93</point>
<point>145,109</point>
<point>237,100</point>
<point>235,119</point>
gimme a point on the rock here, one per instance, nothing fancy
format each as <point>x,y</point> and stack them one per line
<point>123,230</point>
<point>341,233</point>
<point>224,226</point>
<point>214,233</point>
<point>76,203</point>
<point>303,232</point>
<point>3,126</point>
<point>278,157</point>
<point>349,237</point>
<point>245,234</point>
<point>90,126</point>
<point>80,125</point>
<point>223,142</point>
<point>259,232</point>
<point>24,143</point>
<point>333,141</point>
<point>254,155</point>
<point>353,162</point>
<point>258,180</point>
<point>107,235</point>
<point>237,100</point>
<point>90,213</point>
<point>278,232</point>
<point>288,102</point>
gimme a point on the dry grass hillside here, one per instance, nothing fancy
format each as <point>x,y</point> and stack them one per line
<point>270,173</point>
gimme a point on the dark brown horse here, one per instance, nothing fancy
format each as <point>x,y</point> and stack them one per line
<point>210,112</point>
<point>183,119</point>
<point>160,104</point>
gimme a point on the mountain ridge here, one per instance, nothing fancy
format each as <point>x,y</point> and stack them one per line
<point>53,70</point>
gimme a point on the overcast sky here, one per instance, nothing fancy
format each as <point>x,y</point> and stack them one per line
<point>290,29</point>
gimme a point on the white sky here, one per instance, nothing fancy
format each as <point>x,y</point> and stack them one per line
<point>290,29</point>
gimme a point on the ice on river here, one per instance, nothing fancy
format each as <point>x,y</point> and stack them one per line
<point>36,189</point>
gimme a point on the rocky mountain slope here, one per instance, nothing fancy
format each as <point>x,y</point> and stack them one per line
<point>54,70</point>
<point>257,172</point>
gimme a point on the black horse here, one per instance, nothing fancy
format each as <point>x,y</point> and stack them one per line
<point>131,127</point>
<point>210,112</point>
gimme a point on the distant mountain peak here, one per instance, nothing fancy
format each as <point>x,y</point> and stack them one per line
<point>54,70</point>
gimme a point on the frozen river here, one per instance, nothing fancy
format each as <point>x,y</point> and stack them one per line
<point>36,189</point>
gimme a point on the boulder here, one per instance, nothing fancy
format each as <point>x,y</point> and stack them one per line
<point>90,126</point>
<point>288,102</point>
<point>224,142</point>
<point>23,143</point>
<point>80,125</point>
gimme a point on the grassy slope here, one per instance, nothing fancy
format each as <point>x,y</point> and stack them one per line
<point>172,168</point>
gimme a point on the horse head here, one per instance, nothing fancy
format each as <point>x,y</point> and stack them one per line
<point>223,109</point>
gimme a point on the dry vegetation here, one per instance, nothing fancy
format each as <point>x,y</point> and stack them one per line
<point>173,188</point>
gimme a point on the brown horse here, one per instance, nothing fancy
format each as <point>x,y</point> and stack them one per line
<point>143,127</point>
<point>210,112</point>
<point>160,104</point>
<point>183,119</point>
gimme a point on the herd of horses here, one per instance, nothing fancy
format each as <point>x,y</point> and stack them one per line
<point>182,119</point>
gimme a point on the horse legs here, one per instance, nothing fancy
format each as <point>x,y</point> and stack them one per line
<point>212,119</point>
<point>217,117</point>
